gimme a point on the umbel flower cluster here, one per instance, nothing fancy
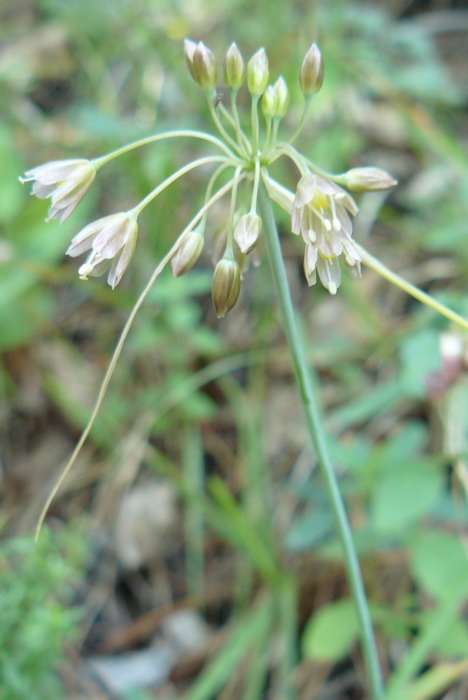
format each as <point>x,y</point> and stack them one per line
<point>321,210</point>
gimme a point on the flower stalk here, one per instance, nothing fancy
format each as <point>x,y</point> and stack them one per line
<point>164,135</point>
<point>118,350</point>
<point>136,211</point>
<point>381,269</point>
<point>317,437</point>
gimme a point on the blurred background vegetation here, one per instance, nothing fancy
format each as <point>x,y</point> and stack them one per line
<point>191,553</point>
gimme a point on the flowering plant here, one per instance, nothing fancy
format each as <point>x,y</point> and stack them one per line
<point>321,211</point>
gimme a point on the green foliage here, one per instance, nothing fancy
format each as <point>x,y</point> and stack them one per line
<point>331,633</point>
<point>38,616</point>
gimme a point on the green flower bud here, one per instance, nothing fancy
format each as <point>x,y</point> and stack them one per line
<point>258,73</point>
<point>269,102</point>
<point>246,231</point>
<point>234,68</point>
<point>201,64</point>
<point>226,286</point>
<point>311,75</point>
<point>188,253</point>
<point>282,97</point>
<point>367,180</point>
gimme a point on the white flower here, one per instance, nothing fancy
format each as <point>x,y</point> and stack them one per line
<point>246,232</point>
<point>188,253</point>
<point>64,181</point>
<point>111,241</point>
<point>321,213</point>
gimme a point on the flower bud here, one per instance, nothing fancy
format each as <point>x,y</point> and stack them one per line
<point>189,52</point>
<point>311,75</point>
<point>282,97</point>
<point>234,69</point>
<point>188,253</point>
<point>269,102</point>
<point>367,180</point>
<point>246,231</point>
<point>226,286</point>
<point>258,73</point>
<point>201,64</point>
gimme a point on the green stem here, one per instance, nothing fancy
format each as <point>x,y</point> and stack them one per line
<point>229,252</point>
<point>302,163</point>
<point>201,135</point>
<point>253,206</point>
<point>209,190</point>
<point>409,288</point>
<point>276,123</point>
<point>222,130</point>
<point>255,126</point>
<point>172,178</point>
<point>317,436</point>
<point>284,149</point>
<point>305,111</point>
<point>266,143</point>
<point>241,137</point>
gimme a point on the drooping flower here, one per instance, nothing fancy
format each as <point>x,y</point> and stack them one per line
<point>246,232</point>
<point>226,286</point>
<point>188,253</point>
<point>64,181</point>
<point>322,214</point>
<point>111,242</point>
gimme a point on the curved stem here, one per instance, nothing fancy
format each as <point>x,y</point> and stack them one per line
<point>284,149</point>
<point>409,288</point>
<point>209,189</point>
<point>180,133</point>
<point>222,130</point>
<point>241,137</point>
<point>172,178</point>
<point>117,352</point>
<point>292,152</point>
<point>316,433</point>
<point>281,148</point>
<point>227,115</point>
<point>305,111</point>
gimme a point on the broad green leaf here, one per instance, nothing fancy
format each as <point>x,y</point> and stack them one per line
<point>438,559</point>
<point>308,530</point>
<point>454,643</point>
<point>330,634</point>
<point>404,494</point>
